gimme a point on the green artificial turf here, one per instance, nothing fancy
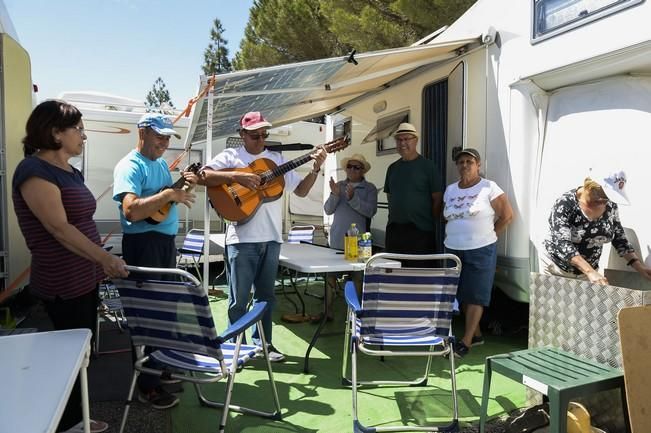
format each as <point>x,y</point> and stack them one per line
<point>318,402</point>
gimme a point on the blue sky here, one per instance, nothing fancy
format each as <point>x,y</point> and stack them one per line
<point>122,46</point>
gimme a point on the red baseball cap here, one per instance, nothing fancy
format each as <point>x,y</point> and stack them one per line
<point>253,120</point>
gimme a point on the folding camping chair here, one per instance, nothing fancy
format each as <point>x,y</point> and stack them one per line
<point>109,305</point>
<point>301,234</point>
<point>297,234</point>
<point>404,311</point>
<point>189,255</point>
<point>175,318</point>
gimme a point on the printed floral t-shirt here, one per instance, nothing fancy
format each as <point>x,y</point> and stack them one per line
<point>571,233</point>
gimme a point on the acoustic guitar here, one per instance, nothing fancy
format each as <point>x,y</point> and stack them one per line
<point>161,214</point>
<point>237,203</point>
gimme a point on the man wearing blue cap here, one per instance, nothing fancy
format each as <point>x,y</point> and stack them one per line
<point>140,182</point>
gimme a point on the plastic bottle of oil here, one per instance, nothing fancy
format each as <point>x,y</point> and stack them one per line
<point>350,243</point>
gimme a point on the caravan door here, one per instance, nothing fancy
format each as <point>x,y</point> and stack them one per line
<point>443,128</point>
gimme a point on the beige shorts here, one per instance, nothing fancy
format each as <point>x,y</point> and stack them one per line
<point>548,267</point>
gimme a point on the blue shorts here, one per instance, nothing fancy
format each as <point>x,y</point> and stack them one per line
<point>477,274</point>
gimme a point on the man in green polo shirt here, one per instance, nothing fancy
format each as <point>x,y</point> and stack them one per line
<point>414,194</point>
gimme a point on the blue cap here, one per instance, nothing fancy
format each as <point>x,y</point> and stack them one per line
<point>158,123</point>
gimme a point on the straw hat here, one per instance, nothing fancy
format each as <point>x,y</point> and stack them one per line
<point>406,128</point>
<point>356,157</point>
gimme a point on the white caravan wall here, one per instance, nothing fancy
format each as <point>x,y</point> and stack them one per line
<point>605,125</point>
<point>408,95</point>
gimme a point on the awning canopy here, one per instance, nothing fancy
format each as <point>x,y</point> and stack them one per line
<point>289,93</point>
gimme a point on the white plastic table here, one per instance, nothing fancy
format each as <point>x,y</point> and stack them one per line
<point>312,259</point>
<point>38,372</point>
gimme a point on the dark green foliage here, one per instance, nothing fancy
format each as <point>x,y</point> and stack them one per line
<point>215,56</point>
<point>158,99</point>
<point>283,31</point>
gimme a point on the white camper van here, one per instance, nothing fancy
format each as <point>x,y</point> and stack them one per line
<point>554,89</point>
<point>110,123</point>
<point>545,89</point>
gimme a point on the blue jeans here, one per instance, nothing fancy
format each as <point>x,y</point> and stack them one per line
<point>252,265</point>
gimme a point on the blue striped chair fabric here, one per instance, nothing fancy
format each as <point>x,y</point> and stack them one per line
<point>403,312</point>
<point>407,306</point>
<point>175,318</point>
<point>191,251</point>
<point>298,234</point>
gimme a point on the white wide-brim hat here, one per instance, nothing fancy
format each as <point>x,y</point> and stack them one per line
<point>614,185</point>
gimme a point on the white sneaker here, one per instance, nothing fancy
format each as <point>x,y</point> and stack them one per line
<point>275,355</point>
<point>95,427</point>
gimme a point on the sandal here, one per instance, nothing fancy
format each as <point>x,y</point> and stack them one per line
<point>319,318</point>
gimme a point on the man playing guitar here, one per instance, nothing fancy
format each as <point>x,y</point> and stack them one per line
<point>253,246</point>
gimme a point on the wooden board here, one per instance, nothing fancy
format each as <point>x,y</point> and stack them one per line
<point>635,337</point>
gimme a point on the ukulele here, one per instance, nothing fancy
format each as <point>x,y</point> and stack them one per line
<point>237,203</point>
<point>162,213</point>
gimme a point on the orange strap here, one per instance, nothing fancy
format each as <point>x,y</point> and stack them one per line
<point>191,102</point>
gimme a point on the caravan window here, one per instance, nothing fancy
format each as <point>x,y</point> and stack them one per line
<point>553,17</point>
<point>343,128</point>
<point>381,134</point>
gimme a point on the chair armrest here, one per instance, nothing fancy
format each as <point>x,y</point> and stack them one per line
<point>252,316</point>
<point>350,293</point>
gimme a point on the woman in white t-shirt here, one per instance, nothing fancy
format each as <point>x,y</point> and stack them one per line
<point>476,211</point>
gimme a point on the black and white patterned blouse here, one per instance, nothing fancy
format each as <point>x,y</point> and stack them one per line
<point>571,233</point>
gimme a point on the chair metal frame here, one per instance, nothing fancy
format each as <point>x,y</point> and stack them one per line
<point>175,318</point>
<point>387,323</point>
<point>109,304</point>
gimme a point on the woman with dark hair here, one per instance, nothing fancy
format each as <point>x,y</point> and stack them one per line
<point>55,213</point>
<point>477,211</point>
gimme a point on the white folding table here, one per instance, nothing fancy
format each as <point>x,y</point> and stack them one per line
<point>316,259</point>
<point>38,373</point>
<point>312,259</point>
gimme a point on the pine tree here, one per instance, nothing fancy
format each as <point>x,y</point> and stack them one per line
<point>215,56</point>
<point>281,31</point>
<point>158,99</point>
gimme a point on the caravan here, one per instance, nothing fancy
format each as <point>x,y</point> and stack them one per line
<point>16,101</point>
<point>112,132</point>
<point>553,90</point>
<point>546,90</point>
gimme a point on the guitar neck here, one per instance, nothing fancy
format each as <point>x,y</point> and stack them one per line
<point>280,170</point>
<point>179,183</point>
<point>332,146</point>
